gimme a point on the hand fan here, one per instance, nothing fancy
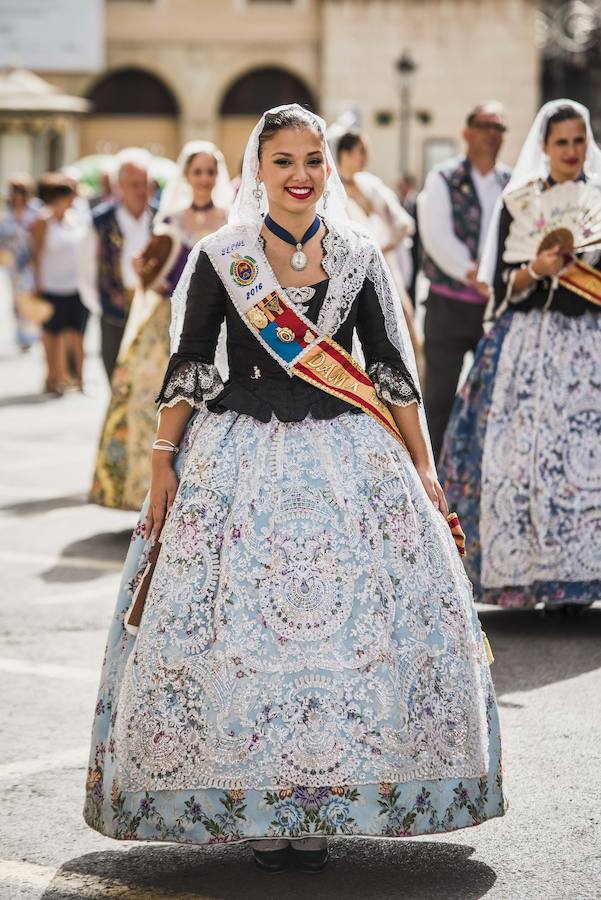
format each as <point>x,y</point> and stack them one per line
<point>568,214</point>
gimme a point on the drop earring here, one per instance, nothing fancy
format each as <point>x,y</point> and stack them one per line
<point>326,195</point>
<point>258,194</point>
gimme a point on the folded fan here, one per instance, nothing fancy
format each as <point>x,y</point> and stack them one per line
<point>567,214</point>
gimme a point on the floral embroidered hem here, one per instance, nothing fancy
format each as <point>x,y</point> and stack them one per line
<point>228,817</point>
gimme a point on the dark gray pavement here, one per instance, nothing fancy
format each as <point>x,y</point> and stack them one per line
<point>59,569</point>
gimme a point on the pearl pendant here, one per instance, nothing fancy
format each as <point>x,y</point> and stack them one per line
<point>298,261</point>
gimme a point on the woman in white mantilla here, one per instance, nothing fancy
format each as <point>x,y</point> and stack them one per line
<point>374,206</point>
<point>521,461</point>
<point>308,661</point>
<point>194,203</point>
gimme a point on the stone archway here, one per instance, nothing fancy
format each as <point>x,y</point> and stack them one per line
<point>131,106</point>
<point>247,98</point>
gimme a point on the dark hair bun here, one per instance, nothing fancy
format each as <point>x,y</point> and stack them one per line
<point>348,141</point>
<point>53,186</point>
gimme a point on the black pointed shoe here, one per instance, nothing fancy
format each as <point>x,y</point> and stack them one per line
<point>272,861</point>
<point>310,860</point>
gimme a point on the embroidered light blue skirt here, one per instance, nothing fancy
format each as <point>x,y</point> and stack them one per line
<point>309,660</point>
<point>521,461</point>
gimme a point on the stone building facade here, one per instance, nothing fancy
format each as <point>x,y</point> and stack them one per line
<point>215,65</point>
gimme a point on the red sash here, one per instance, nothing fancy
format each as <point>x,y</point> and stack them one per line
<point>326,365</point>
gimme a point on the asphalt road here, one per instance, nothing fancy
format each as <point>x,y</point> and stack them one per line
<point>60,560</point>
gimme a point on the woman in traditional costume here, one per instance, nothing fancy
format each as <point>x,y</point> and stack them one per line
<point>194,203</point>
<point>376,207</point>
<point>308,661</point>
<point>373,204</point>
<point>522,456</point>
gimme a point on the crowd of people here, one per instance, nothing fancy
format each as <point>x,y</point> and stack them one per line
<point>121,254</point>
<point>308,661</point>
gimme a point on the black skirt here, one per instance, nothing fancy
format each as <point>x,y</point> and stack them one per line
<point>69,313</point>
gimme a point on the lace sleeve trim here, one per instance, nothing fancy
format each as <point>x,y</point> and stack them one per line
<point>511,299</point>
<point>393,385</point>
<point>192,381</point>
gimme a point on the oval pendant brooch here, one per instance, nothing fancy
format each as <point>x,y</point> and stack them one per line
<point>298,260</point>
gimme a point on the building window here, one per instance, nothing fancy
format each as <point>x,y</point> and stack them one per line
<point>263,89</point>
<point>132,92</point>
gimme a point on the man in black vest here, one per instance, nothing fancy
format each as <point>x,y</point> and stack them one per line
<point>454,212</point>
<point>123,228</point>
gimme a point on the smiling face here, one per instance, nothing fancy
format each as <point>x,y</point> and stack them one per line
<point>566,148</point>
<point>294,170</point>
<point>201,172</point>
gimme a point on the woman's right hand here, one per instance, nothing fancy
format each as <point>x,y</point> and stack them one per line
<point>549,263</point>
<point>163,488</point>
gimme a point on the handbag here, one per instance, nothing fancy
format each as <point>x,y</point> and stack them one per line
<point>34,308</point>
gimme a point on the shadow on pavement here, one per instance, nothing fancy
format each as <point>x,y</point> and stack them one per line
<point>28,399</point>
<point>532,651</point>
<point>359,870</point>
<point>35,507</point>
<point>107,547</point>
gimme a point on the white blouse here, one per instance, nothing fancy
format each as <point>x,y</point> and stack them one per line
<point>59,270</point>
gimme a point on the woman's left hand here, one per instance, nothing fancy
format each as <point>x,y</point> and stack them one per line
<point>433,489</point>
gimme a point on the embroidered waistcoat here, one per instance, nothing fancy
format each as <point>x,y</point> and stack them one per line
<point>110,281</point>
<point>467,216</point>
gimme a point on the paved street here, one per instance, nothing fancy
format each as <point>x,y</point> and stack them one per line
<point>60,562</point>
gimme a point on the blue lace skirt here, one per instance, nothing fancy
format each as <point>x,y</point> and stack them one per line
<point>309,661</point>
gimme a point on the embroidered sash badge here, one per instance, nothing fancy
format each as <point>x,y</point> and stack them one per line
<point>244,270</point>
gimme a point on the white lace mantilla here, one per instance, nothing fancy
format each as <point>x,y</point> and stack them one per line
<point>309,620</point>
<point>541,468</point>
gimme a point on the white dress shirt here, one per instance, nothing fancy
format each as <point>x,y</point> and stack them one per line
<point>435,217</point>
<point>136,234</point>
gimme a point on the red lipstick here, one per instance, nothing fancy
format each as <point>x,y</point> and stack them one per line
<point>299,193</point>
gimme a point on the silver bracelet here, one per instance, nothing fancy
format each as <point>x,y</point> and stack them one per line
<point>163,444</point>
<point>534,275</point>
